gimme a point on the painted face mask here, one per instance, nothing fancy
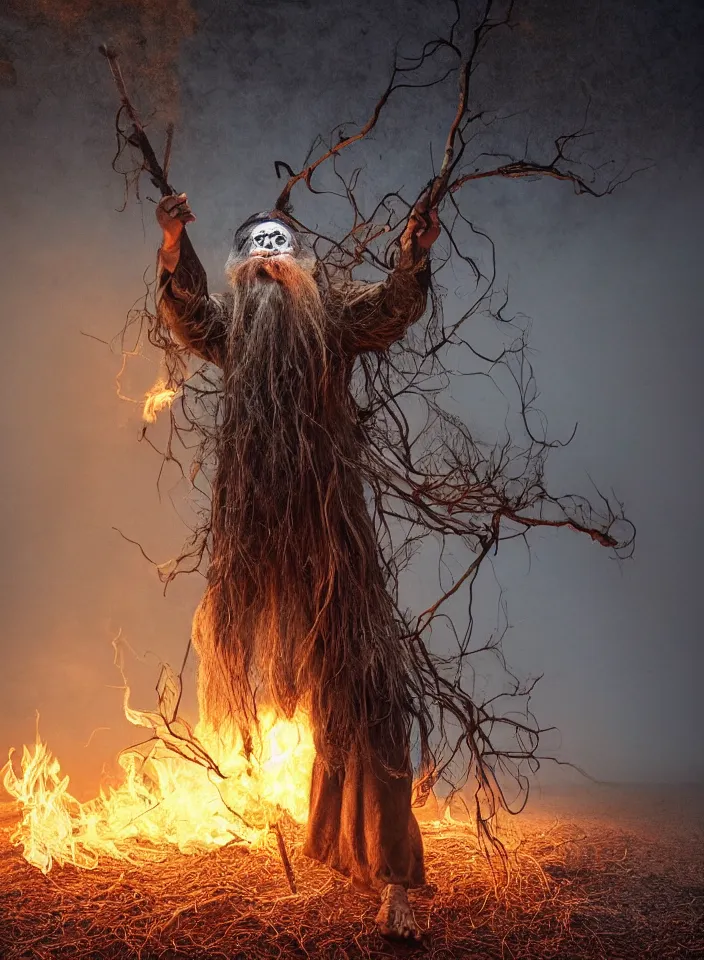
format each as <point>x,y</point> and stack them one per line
<point>270,237</point>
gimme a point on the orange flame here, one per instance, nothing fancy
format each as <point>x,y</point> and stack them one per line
<point>156,399</point>
<point>165,799</point>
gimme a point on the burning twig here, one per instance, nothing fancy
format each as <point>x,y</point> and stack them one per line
<point>288,869</point>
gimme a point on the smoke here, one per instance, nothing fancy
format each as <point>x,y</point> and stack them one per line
<point>147,34</point>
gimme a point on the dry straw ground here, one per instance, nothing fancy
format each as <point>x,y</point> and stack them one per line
<point>594,874</point>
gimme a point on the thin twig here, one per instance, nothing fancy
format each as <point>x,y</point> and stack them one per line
<point>288,869</point>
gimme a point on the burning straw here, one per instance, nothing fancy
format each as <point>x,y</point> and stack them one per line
<point>198,854</point>
<point>563,892</point>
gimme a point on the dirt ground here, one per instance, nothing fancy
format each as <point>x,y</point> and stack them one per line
<point>598,872</point>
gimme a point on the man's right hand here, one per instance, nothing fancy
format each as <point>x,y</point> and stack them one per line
<point>172,214</point>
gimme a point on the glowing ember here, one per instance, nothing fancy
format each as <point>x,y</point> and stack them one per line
<point>158,397</point>
<point>190,790</point>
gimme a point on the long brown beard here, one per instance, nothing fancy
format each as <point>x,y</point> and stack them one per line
<point>277,401</point>
<point>296,609</point>
<point>267,285</point>
<point>268,490</point>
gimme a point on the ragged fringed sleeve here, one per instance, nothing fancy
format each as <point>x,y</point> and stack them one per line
<point>378,314</point>
<point>197,320</point>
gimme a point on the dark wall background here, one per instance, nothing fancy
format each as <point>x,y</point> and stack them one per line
<point>614,288</point>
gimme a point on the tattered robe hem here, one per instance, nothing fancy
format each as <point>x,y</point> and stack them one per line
<point>361,824</point>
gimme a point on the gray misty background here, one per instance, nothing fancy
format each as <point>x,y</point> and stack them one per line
<point>614,287</point>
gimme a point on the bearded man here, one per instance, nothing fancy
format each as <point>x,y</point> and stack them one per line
<point>297,610</point>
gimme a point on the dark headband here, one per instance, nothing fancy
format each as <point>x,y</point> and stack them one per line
<point>242,233</point>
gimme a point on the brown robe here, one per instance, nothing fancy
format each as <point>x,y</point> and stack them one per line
<point>360,821</point>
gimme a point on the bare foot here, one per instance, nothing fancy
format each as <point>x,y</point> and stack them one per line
<point>395,917</point>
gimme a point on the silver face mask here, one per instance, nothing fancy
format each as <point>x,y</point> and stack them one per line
<point>270,237</point>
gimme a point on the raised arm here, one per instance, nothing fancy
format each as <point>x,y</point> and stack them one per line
<point>197,320</point>
<point>380,313</point>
